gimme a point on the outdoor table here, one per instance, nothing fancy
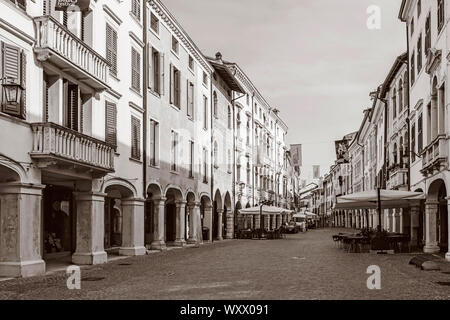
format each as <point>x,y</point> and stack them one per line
<point>395,239</point>
<point>246,233</point>
<point>351,242</point>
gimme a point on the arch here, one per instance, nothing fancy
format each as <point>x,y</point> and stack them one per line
<point>124,188</point>
<point>190,196</point>
<point>154,191</point>
<point>227,200</point>
<point>174,192</point>
<point>229,117</point>
<point>218,199</point>
<point>11,171</point>
<point>247,205</point>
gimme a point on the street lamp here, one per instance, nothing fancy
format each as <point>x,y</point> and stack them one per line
<point>12,91</point>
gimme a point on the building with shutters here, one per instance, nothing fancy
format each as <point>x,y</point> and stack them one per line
<point>119,136</point>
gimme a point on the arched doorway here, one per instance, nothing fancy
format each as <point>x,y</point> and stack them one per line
<point>436,218</point>
<point>189,216</point>
<point>227,218</point>
<point>174,198</point>
<point>153,238</point>
<point>114,214</point>
<point>205,231</point>
<point>217,217</point>
<point>238,220</point>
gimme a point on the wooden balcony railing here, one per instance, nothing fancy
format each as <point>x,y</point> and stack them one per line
<point>53,39</point>
<point>54,141</point>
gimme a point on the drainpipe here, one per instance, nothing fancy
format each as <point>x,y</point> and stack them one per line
<point>211,104</point>
<point>409,108</point>
<point>144,102</point>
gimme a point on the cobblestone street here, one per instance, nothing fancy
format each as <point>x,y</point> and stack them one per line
<point>302,266</point>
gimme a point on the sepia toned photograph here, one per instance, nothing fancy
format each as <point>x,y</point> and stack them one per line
<point>224,158</point>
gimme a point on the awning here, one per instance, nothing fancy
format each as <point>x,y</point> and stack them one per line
<point>368,199</point>
<point>299,215</point>
<point>311,215</point>
<point>266,210</point>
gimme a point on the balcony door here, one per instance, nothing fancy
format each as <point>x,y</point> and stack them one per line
<point>71,107</point>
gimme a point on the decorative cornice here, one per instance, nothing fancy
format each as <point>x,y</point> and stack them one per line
<point>113,16</point>
<point>136,39</point>
<point>16,32</point>
<point>434,58</point>
<point>176,28</point>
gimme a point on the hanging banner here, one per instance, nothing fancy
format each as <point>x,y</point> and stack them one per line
<point>341,150</point>
<point>316,172</point>
<point>296,153</point>
<point>72,5</point>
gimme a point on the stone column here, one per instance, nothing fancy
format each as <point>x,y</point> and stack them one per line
<point>414,225</point>
<point>219,224</point>
<point>395,220</point>
<point>345,219</point>
<point>180,224</point>
<point>266,221</point>
<point>194,217</point>
<point>133,228</point>
<point>358,219</point>
<point>447,255</point>
<point>431,244</point>
<point>20,230</point>
<point>207,221</point>
<point>274,221</point>
<point>230,225</point>
<point>387,220</point>
<point>158,242</point>
<point>90,228</point>
<point>257,222</point>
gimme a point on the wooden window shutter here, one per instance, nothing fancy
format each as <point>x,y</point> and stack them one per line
<point>162,73</point>
<point>150,74</point>
<point>152,142</point>
<point>171,84</point>
<point>135,138</point>
<point>45,98</point>
<point>12,60</point>
<point>138,71</point>
<point>111,123</point>
<point>23,83</point>
<point>73,107</point>
<point>187,98</point>
<point>111,48</point>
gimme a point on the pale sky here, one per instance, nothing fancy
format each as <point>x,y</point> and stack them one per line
<point>314,60</point>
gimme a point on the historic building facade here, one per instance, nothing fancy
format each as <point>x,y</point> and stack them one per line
<point>123,149</point>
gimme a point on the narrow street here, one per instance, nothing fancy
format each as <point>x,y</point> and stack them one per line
<point>302,266</point>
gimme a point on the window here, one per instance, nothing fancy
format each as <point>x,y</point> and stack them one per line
<point>419,134</point>
<point>427,34</point>
<point>190,99</point>
<point>175,86</point>
<point>136,8</point>
<point>413,143</point>
<point>229,160</point>
<point>215,105</point>
<point>248,131</point>
<point>229,117</point>
<point>248,98</point>
<point>72,111</point>
<point>248,173</point>
<point>191,63</point>
<point>400,96</point>
<point>405,89</point>
<point>13,67</point>
<point>419,54</point>
<point>216,154</point>
<point>174,152</point>
<point>154,23</point>
<point>205,113</point>
<point>154,143</point>
<point>394,103</point>
<point>154,72</point>
<point>22,4</point>
<point>111,123</point>
<point>111,48</point>
<point>440,14</point>
<point>175,45</point>
<point>135,138</point>
<point>205,78</point>
<point>419,8</point>
<point>412,71</point>
<point>191,159</point>
<point>135,70</point>
<point>412,26</point>
<point>205,165</point>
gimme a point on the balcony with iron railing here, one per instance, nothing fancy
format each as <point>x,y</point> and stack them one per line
<point>57,45</point>
<point>60,147</point>
<point>435,155</point>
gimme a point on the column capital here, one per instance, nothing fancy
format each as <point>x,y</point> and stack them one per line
<point>158,201</point>
<point>23,188</point>
<point>133,201</point>
<point>431,202</point>
<point>219,210</point>
<point>180,203</point>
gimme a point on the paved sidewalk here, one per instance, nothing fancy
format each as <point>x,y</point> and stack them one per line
<point>302,266</point>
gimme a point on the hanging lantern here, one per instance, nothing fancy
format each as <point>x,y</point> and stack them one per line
<point>13,92</point>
